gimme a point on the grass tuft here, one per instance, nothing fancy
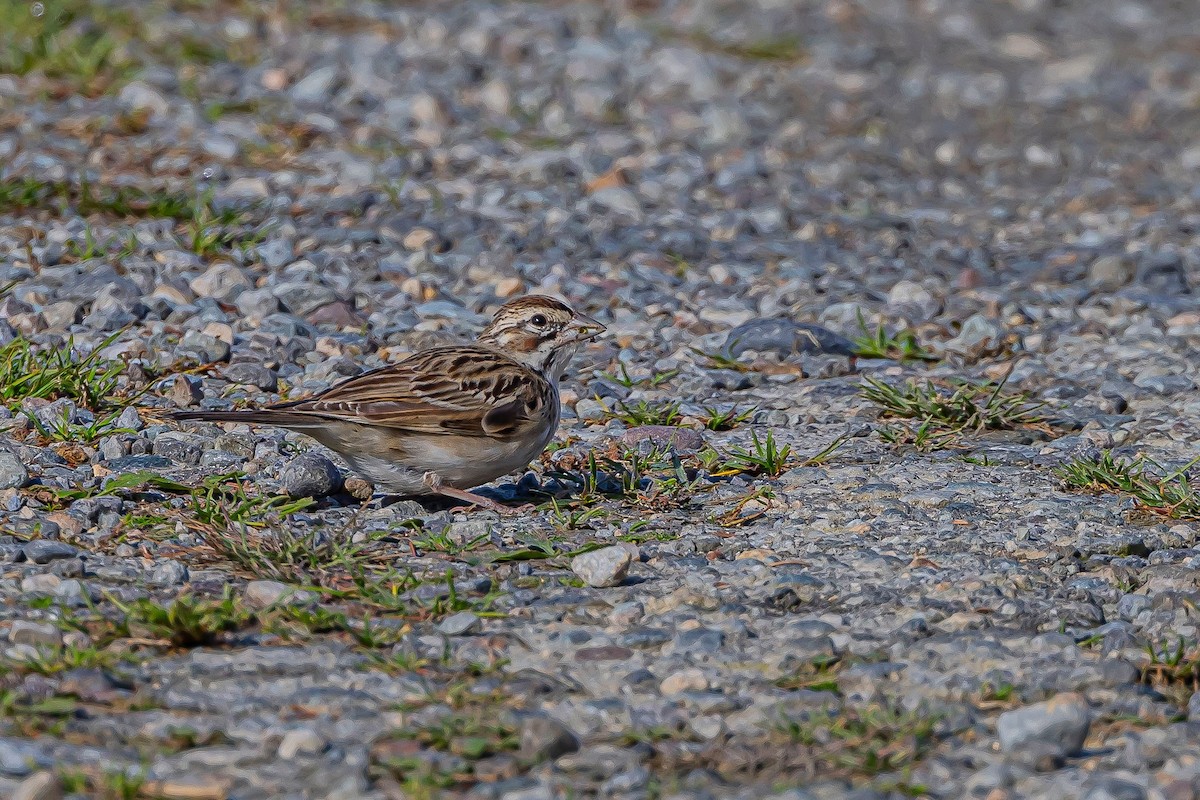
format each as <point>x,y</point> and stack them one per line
<point>644,413</point>
<point>716,420</point>
<point>764,457</point>
<point>878,343</point>
<point>53,374</point>
<point>1173,671</point>
<point>868,740</point>
<point>1156,489</point>
<point>62,39</point>
<point>945,413</point>
<point>187,621</point>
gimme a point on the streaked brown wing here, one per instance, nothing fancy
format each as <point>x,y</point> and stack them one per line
<point>467,391</point>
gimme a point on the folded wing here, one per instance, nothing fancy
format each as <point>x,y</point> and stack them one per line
<point>447,390</point>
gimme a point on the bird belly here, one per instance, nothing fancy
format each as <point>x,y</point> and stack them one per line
<point>461,463</point>
<point>469,463</point>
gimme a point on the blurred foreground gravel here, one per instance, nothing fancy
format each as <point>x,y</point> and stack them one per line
<point>312,189</point>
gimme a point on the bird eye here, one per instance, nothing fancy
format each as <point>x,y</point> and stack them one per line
<point>538,320</point>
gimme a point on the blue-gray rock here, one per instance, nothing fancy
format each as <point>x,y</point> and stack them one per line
<point>43,551</point>
<point>310,475</point>
<point>138,463</point>
<point>1193,708</point>
<point>183,448</point>
<point>545,739</point>
<point>13,474</point>
<point>1115,789</point>
<point>1162,383</point>
<point>250,374</point>
<point>784,337</point>
<point>1056,727</point>
<point>167,573</point>
<point>275,253</point>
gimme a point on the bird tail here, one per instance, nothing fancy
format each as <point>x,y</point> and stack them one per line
<point>281,419</point>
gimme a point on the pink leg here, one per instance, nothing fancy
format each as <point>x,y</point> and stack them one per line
<point>434,482</point>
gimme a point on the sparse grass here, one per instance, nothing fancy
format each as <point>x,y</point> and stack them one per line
<point>945,413</point>
<point>651,381</point>
<point>644,413</point>
<point>878,343</point>
<point>62,198</point>
<point>357,573</point>
<point>818,675</point>
<point>456,739</point>
<point>764,457</point>
<point>716,420</point>
<point>1156,489</point>
<point>69,40</point>
<point>91,247</point>
<point>875,745</point>
<point>785,48</point>
<point>654,480</point>
<point>226,501</point>
<point>205,228</point>
<point>187,621</point>
<point>219,500</point>
<point>638,536</point>
<point>440,542</point>
<point>1173,670</point>
<point>866,740</point>
<point>308,559</point>
<point>574,519</point>
<point>55,373</point>
<point>64,430</point>
<point>719,360</point>
<point>211,231</point>
<point>50,661</point>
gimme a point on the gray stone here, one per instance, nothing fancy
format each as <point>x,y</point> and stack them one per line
<point>1157,381</point>
<point>784,337</point>
<point>186,391</point>
<point>39,786</point>
<point>1110,272</point>
<point>460,624</point>
<point>311,475</point>
<point>684,440</point>
<point>979,337</point>
<point>13,474</point>
<point>1057,726</point>
<point>607,566</point>
<point>275,253</point>
<point>43,551</point>
<point>315,86</point>
<point>138,96</point>
<point>38,634</point>
<point>545,739</point>
<point>1115,789</point>
<point>262,594</point>
<point>301,742</point>
<point>251,374</point>
<point>167,573</point>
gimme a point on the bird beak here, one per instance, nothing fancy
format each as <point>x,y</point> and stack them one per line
<point>584,328</point>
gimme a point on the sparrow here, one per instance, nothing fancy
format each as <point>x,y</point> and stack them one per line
<point>446,419</point>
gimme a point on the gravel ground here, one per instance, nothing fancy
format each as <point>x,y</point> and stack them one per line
<point>221,204</point>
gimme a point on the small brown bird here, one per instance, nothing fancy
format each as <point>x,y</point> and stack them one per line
<point>447,419</point>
